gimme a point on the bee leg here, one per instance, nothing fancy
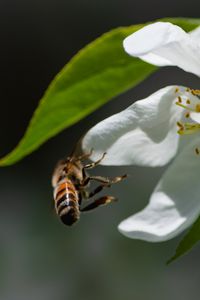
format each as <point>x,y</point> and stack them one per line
<point>87,179</point>
<point>86,195</point>
<point>106,183</point>
<point>94,164</point>
<point>99,202</point>
<point>80,198</point>
<point>97,190</point>
<point>104,180</point>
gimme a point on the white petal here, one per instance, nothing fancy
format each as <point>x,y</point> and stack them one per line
<point>195,117</point>
<point>195,34</point>
<point>143,134</point>
<point>165,44</point>
<point>175,203</point>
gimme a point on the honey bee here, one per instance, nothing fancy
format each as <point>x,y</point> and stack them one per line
<point>70,182</point>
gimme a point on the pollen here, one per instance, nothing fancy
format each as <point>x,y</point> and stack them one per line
<point>181,128</point>
<point>195,92</point>
<point>187,115</point>
<point>188,101</point>
<point>179,99</point>
<point>197,108</point>
<point>180,125</point>
<point>189,105</point>
<point>189,128</point>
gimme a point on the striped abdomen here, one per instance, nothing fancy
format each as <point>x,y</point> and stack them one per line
<point>66,201</point>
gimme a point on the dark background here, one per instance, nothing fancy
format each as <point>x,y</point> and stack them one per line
<point>39,257</point>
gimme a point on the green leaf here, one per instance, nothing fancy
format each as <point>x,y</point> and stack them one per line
<point>187,24</point>
<point>99,72</point>
<point>189,240</point>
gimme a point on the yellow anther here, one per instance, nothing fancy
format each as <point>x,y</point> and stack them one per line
<point>197,108</point>
<point>188,128</point>
<point>180,125</point>
<point>197,151</point>
<point>179,99</point>
<point>189,105</point>
<point>191,127</point>
<point>180,131</point>
<point>176,90</point>
<point>188,101</point>
<point>187,115</point>
<point>195,92</point>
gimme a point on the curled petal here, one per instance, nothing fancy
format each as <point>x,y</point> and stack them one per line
<point>174,205</point>
<point>165,44</point>
<point>143,134</point>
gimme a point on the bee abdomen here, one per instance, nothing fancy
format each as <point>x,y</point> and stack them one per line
<point>66,202</point>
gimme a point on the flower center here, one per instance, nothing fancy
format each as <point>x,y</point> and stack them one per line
<point>190,104</point>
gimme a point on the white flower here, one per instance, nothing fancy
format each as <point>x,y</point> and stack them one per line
<point>145,134</point>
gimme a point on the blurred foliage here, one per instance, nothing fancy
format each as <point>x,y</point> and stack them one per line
<point>99,72</point>
<point>189,240</point>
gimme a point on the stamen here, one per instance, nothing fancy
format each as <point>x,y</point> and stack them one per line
<point>189,105</point>
<point>179,99</point>
<point>197,151</point>
<point>180,125</point>
<point>181,128</point>
<point>184,106</point>
<point>197,108</point>
<point>176,90</point>
<point>189,128</point>
<point>195,92</point>
<point>187,115</point>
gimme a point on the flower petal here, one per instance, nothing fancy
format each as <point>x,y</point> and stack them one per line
<point>174,205</point>
<point>195,34</point>
<point>195,117</point>
<point>164,44</point>
<point>143,134</point>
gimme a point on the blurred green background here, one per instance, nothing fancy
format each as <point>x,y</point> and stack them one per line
<point>39,257</point>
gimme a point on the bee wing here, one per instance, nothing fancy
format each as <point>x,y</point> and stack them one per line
<point>57,172</point>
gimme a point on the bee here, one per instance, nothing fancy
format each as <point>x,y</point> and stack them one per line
<point>70,182</point>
